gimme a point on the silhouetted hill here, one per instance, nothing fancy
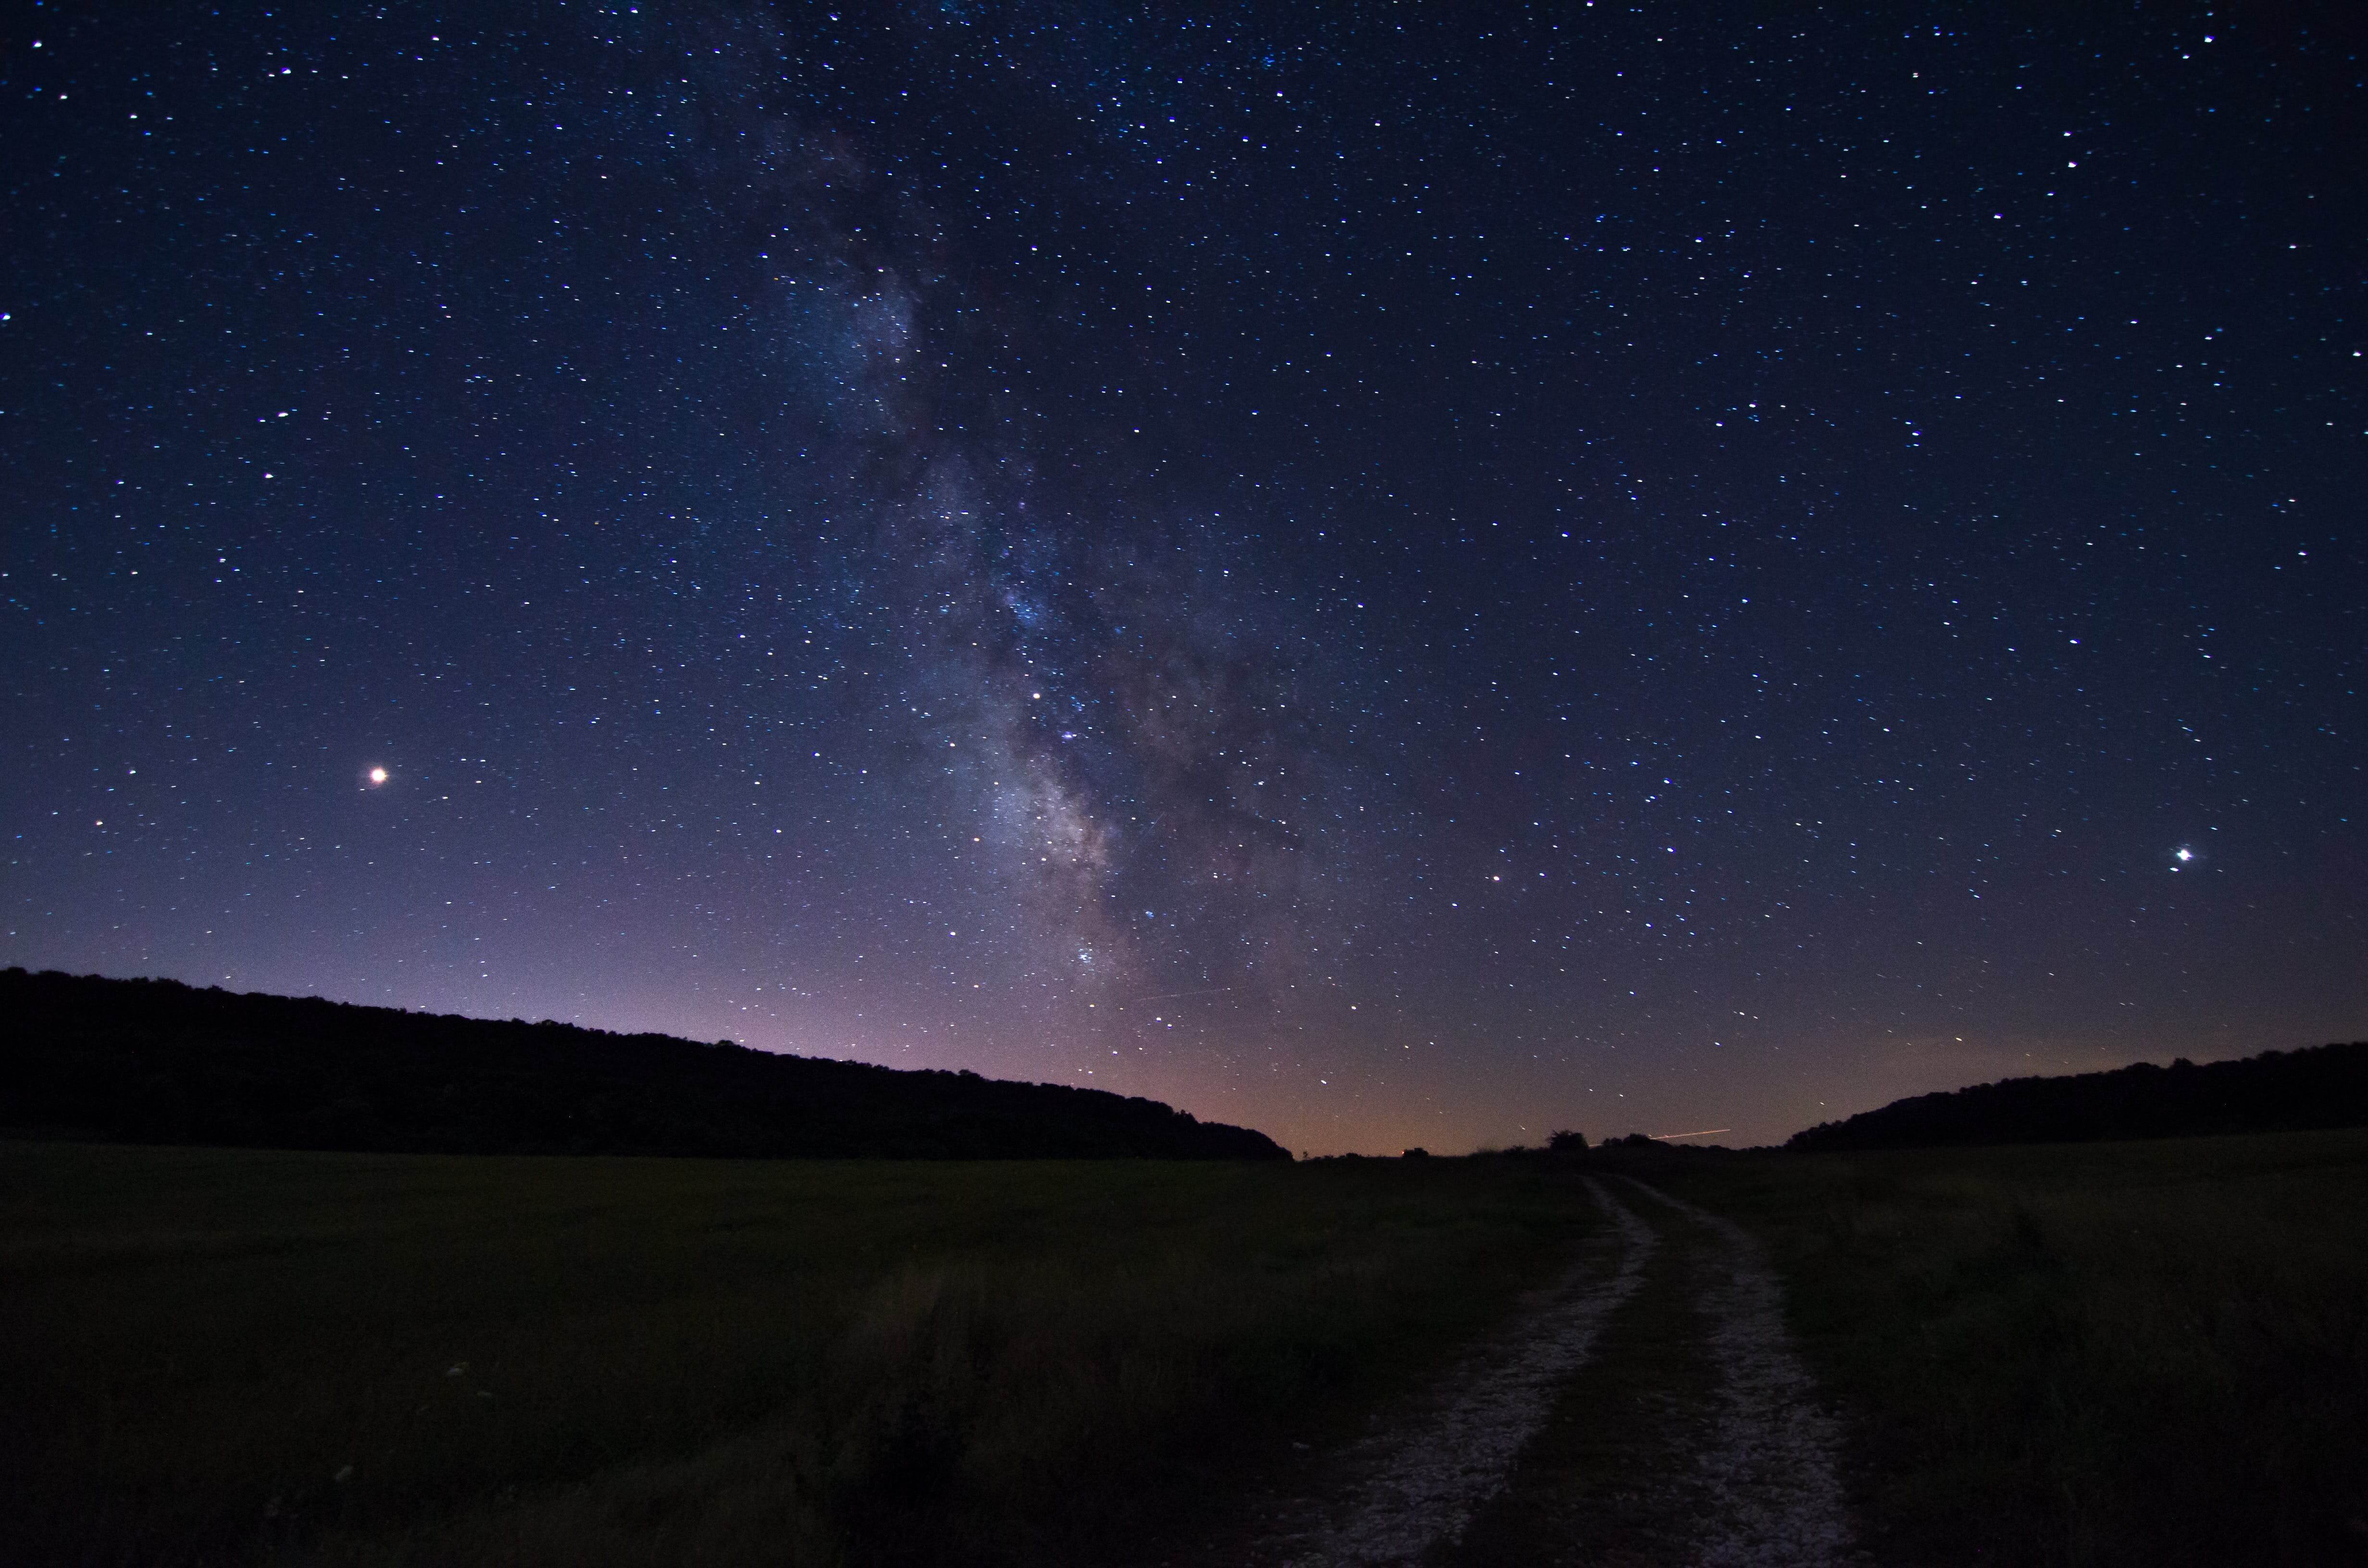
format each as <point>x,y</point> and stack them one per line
<point>2278,1091</point>
<point>157,1061</point>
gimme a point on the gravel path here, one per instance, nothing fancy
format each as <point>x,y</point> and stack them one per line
<point>1424,1477</point>
<point>1755,1485</point>
<point>1768,1464</point>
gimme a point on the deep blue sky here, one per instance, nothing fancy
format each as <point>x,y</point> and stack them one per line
<point>1395,574</point>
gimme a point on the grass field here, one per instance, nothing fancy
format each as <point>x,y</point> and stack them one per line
<point>241,1357</point>
<point>2144,1353</point>
<point>2106,1353</point>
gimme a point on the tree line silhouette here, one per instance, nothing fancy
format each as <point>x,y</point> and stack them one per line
<point>2278,1091</point>
<point>158,1062</point>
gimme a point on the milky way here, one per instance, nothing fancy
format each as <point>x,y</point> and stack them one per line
<point>1395,577</point>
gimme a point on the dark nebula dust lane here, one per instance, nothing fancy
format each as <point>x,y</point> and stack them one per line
<point>1405,576</point>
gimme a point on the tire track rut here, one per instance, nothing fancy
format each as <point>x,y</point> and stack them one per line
<point>1742,1472</point>
<point>1768,1465</point>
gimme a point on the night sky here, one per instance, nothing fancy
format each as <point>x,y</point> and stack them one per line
<point>1395,574</point>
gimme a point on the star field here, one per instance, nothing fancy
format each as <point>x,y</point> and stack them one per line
<point>1394,574</point>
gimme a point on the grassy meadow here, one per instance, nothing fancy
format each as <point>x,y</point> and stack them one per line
<point>2140,1353</point>
<point>239,1357</point>
<point>2090,1354</point>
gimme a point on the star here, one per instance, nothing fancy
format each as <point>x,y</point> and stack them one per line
<point>1184,600</point>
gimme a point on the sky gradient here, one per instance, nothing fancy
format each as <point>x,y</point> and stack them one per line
<point>1393,575</point>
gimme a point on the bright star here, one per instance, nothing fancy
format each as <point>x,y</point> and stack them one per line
<point>378,775</point>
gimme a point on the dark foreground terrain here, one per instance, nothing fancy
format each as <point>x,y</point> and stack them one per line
<point>2149,1353</point>
<point>2135,1353</point>
<point>157,1061</point>
<point>242,1357</point>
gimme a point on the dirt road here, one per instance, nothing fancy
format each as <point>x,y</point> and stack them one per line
<point>1648,1408</point>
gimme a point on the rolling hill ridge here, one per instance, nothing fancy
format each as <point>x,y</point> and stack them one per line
<point>159,1062</point>
<point>2278,1091</point>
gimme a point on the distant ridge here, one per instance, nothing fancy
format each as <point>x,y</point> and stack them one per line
<point>158,1062</point>
<point>2278,1091</point>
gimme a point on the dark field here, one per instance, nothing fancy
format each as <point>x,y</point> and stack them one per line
<point>2138,1353</point>
<point>2095,1354</point>
<point>240,1356</point>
